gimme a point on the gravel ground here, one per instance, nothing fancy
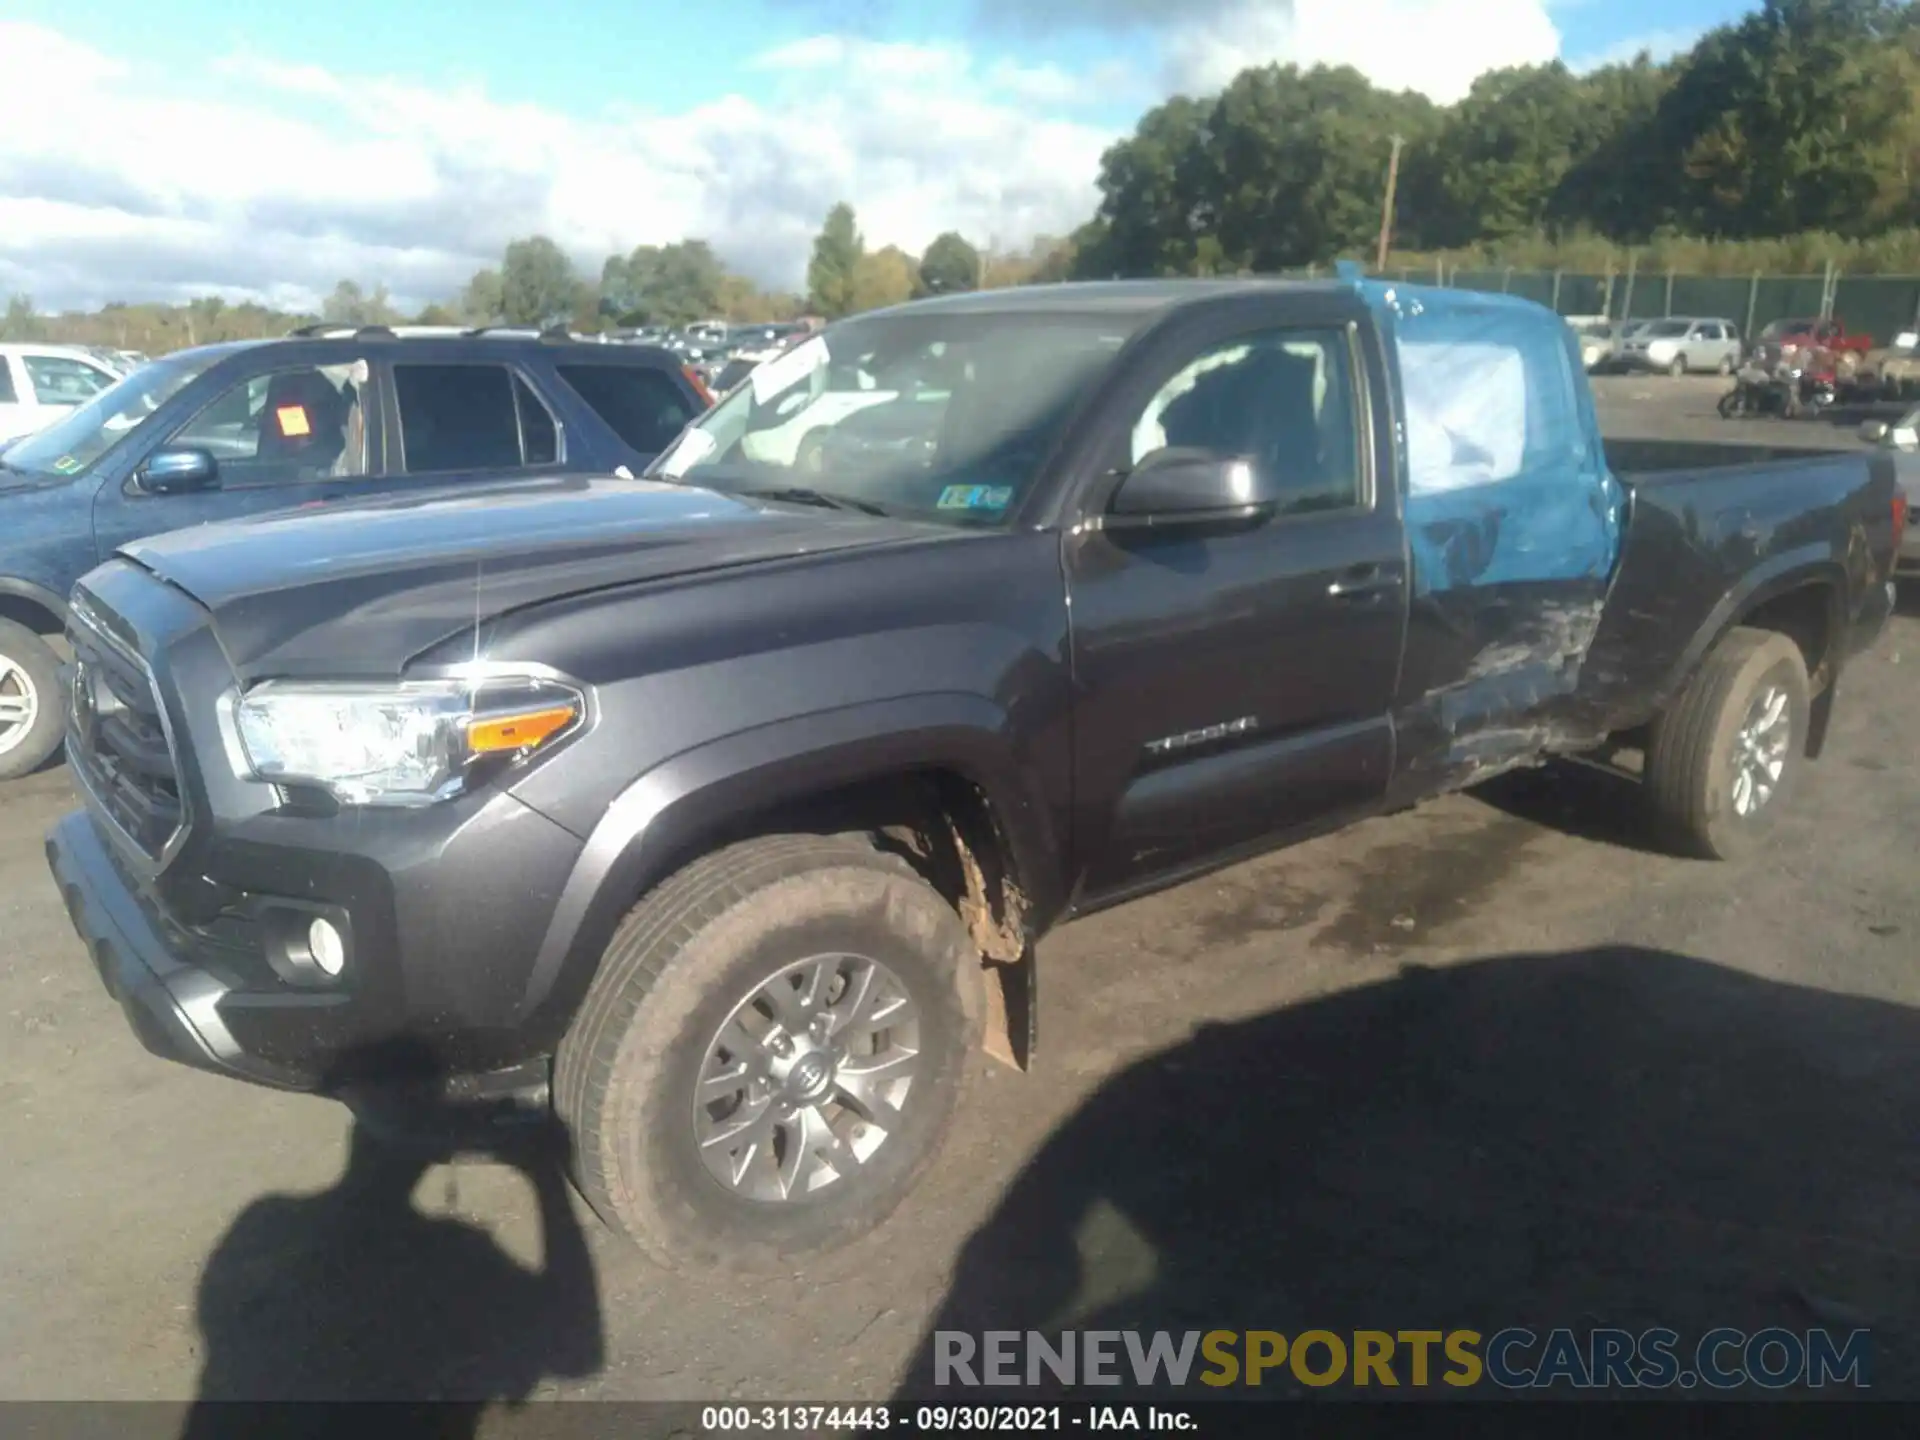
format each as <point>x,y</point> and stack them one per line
<point>1485,1063</point>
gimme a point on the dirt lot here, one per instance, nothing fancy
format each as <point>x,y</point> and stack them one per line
<point>1486,1063</point>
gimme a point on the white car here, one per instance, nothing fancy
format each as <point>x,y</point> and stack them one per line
<point>40,383</point>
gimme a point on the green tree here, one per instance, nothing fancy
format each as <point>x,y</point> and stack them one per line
<point>950,264</point>
<point>537,283</point>
<point>1502,153</point>
<point>20,321</point>
<point>482,301</point>
<point>664,284</point>
<point>885,277</point>
<point>435,313</point>
<point>1799,117</point>
<point>835,263</point>
<point>350,305</point>
<point>1151,212</point>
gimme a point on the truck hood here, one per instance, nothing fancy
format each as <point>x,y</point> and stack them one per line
<point>359,589</point>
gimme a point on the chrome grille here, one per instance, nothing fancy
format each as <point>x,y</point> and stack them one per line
<point>119,742</point>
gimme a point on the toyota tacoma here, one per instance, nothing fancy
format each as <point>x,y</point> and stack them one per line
<point>719,812</point>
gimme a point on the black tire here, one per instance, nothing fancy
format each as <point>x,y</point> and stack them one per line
<point>29,669</point>
<point>1678,367</point>
<point>1730,405</point>
<point>681,962</point>
<point>1691,749</point>
<point>811,458</point>
<point>1726,364</point>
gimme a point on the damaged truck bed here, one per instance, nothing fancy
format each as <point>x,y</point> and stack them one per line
<point>721,809</point>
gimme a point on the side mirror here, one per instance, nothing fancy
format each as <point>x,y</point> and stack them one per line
<point>1874,431</point>
<point>179,472</point>
<point>1176,485</point>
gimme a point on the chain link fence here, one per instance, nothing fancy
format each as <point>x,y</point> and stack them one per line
<point>1879,306</point>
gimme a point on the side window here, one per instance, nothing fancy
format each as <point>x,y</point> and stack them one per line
<point>539,436</point>
<point>58,380</point>
<point>1283,399</point>
<point>458,417</point>
<point>640,405</point>
<point>306,423</point>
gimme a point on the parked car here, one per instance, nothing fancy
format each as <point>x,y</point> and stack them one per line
<point>1902,439</point>
<point>226,431</point>
<point>41,383</point>
<point>722,813</point>
<point>1599,342</point>
<point>1681,343</point>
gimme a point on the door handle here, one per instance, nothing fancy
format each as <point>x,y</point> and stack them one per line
<point>1362,581</point>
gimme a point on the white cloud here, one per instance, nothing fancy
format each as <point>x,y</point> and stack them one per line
<point>293,177</point>
<point>1436,47</point>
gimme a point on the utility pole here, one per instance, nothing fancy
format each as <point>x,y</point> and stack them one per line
<point>1386,207</point>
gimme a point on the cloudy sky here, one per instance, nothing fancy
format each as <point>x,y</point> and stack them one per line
<point>158,149</point>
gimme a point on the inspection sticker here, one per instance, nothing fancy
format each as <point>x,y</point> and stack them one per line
<point>976,497</point>
<point>293,421</point>
<point>66,465</point>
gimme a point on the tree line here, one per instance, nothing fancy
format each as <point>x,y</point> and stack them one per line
<point>1801,119</point>
<point>1781,142</point>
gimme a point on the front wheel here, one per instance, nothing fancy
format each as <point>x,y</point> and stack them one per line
<point>771,1053</point>
<point>33,714</point>
<point>1678,367</point>
<point>1724,754</point>
<point>1731,405</point>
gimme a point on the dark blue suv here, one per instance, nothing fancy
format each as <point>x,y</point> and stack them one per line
<point>225,432</point>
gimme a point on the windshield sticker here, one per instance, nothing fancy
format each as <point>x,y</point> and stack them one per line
<point>770,377</point>
<point>976,497</point>
<point>692,447</point>
<point>66,465</point>
<point>293,421</point>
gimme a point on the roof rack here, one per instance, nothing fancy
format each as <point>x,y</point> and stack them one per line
<point>499,330</point>
<point>326,331</point>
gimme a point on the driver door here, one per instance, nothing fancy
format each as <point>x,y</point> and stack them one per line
<point>284,437</point>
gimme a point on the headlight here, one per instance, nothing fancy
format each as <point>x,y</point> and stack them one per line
<point>405,744</point>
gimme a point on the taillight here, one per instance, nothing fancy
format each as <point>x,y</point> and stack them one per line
<point>1899,519</point>
<point>699,385</point>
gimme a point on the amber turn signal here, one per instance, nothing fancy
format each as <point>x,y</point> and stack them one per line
<point>496,734</point>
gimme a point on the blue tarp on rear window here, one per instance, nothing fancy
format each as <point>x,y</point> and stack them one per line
<point>1506,481</point>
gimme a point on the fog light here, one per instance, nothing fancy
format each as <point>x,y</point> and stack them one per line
<point>328,949</point>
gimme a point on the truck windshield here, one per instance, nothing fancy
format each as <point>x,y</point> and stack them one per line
<point>937,416</point>
<point>76,441</point>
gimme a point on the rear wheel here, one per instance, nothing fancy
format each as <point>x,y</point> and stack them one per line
<point>33,714</point>
<point>1731,404</point>
<point>1726,364</point>
<point>1725,753</point>
<point>771,1053</point>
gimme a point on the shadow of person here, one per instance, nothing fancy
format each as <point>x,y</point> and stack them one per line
<point>1616,1137</point>
<point>355,1294</point>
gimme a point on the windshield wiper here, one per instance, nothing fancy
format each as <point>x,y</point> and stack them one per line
<point>803,495</point>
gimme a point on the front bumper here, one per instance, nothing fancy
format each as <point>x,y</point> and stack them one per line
<point>444,913</point>
<point>172,1006</point>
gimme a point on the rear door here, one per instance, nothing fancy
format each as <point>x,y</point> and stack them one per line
<point>460,420</point>
<point>1235,680</point>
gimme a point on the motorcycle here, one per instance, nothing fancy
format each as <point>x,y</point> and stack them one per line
<point>1758,390</point>
<point>1788,389</point>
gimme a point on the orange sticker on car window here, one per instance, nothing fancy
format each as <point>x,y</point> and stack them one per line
<point>293,420</point>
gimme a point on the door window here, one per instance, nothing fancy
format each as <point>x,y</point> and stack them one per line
<point>643,407</point>
<point>288,426</point>
<point>8,396</point>
<point>60,380</point>
<point>1282,399</point>
<point>471,417</point>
